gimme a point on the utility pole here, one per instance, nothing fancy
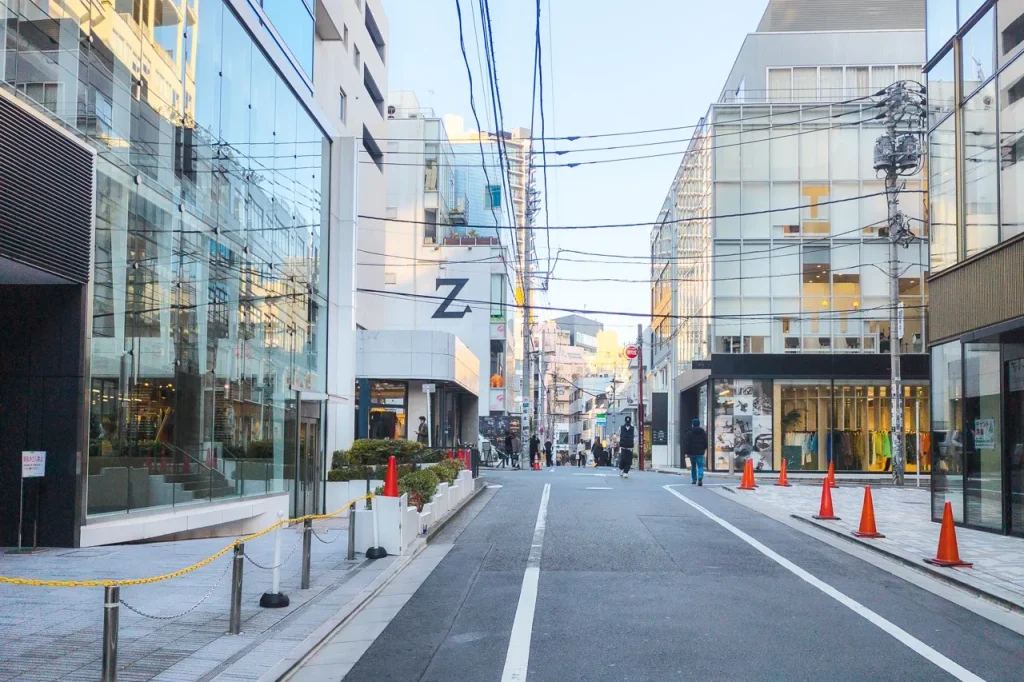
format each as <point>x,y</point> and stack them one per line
<point>541,389</point>
<point>640,394</point>
<point>898,154</point>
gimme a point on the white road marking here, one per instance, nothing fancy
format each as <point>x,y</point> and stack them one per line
<point>904,637</point>
<point>597,488</point>
<point>492,486</point>
<point>517,658</point>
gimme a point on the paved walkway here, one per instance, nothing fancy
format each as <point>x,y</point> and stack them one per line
<point>55,633</point>
<point>903,515</point>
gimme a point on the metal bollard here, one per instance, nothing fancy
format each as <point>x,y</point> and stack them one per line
<point>307,538</point>
<point>235,623</point>
<point>111,609</point>
<point>367,493</point>
<point>351,555</point>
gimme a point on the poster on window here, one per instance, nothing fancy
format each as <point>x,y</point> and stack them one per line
<point>723,441</point>
<point>763,442</point>
<point>984,434</point>
<point>743,401</point>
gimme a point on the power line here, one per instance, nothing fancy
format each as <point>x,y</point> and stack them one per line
<point>825,314</point>
<point>673,221</point>
<point>784,105</point>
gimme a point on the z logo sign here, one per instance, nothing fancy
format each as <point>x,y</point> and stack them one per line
<point>457,284</point>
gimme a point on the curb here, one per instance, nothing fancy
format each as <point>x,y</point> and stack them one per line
<point>439,526</point>
<point>949,578</point>
<point>319,637</point>
<point>795,479</point>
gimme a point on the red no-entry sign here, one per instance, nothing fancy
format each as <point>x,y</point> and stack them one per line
<point>632,352</point>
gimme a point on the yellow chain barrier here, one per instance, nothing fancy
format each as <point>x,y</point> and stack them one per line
<point>177,574</point>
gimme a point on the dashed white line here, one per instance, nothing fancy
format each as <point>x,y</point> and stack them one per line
<point>901,635</point>
<point>517,658</point>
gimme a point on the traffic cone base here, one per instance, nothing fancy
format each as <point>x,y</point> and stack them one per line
<point>948,554</point>
<point>825,512</point>
<point>867,518</point>
<point>783,478</point>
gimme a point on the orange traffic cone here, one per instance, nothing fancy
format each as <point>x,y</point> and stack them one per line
<point>825,511</point>
<point>948,554</point>
<point>832,475</point>
<point>867,518</point>
<point>747,482</point>
<point>783,481</point>
<point>391,479</point>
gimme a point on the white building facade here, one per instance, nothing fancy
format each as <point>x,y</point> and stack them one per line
<point>770,311</point>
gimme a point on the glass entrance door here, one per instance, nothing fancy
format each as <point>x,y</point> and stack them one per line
<point>309,471</point>
<point>1014,420</point>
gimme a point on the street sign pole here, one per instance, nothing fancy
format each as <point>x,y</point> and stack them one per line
<point>33,465</point>
<point>428,389</point>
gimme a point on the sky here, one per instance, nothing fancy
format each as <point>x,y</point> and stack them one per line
<point>609,66</point>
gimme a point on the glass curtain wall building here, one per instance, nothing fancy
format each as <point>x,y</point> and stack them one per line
<point>779,275</point>
<point>975,82</point>
<point>208,306</point>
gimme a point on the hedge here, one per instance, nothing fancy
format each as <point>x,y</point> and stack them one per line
<point>370,452</point>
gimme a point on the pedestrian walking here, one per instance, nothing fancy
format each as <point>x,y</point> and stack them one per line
<point>695,444</point>
<point>627,434</point>
<point>595,450</point>
<point>534,449</point>
<point>421,431</point>
<point>581,454</point>
<point>549,454</point>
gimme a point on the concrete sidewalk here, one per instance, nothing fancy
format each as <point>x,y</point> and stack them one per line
<point>903,515</point>
<point>56,633</point>
<point>865,477</point>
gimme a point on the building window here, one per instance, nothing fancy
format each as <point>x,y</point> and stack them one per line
<point>497,297</point>
<point>1011,148</point>
<point>940,23</point>
<point>342,104</point>
<point>373,149</point>
<point>376,37</point>
<point>371,88</point>
<point>357,57</point>
<point>981,171</point>
<point>430,228</point>
<point>492,196</point>
<point>982,438</point>
<point>344,35</point>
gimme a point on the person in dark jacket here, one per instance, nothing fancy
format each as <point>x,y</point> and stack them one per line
<point>627,438</point>
<point>596,449</point>
<point>534,449</point>
<point>549,453</point>
<point>695,444</point>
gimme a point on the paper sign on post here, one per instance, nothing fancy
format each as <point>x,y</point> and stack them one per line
<point>33,463</point>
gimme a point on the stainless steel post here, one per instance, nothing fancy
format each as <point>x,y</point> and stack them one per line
<point>351,554</point>
<point>111,608</point>
<point>235,623</point>
<point>307,537</point>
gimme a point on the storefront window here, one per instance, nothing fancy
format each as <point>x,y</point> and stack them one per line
<point>1013,360</point>
<point>802,417</point>
<point>947,442</point>
<point>983,452</point>
<point>388,406</point>
<point>743,424</point>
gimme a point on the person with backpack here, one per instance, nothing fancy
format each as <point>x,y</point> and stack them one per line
<point>627,434</point>
<point>695,444</point>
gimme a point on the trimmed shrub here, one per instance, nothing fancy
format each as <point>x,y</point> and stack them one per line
<point>448,470</point>
<point>369,452</point>
<point>260,449</point>
<point>350,474</point>
<point>431,456</point>
<point>421,486</point>
<point>379,472</point>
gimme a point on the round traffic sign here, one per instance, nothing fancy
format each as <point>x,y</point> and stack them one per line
<point>632,352</point>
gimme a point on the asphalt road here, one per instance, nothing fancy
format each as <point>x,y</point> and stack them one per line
<point>634,583</point>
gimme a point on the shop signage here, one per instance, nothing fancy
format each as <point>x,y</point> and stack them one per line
<point>429,388</point>
<point>701,364</point>
<point>1015,375</point>
<point>984,434</point>
<point>899,320</point>
<point>457,284</point>
<point>33,464</point>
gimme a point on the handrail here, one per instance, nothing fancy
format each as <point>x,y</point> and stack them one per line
<point>189,569</point>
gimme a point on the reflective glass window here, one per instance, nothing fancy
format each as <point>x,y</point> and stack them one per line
<point>941,95</point>
<point>942,195</point>
<point>981,171</point>
<point>294,23</point>
<point>967,8</point>
<point>940,23</point>
<point>978,53</point>
<point>1011,146</point>
<point>947,438</point>
<point>1010,29</point>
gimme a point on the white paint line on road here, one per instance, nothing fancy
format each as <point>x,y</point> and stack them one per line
<point>517,658</point>
<point>913,643</point>
<point>597,488</point>
<point>492,486</point>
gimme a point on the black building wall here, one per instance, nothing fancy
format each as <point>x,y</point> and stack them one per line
<point>42,405</point>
